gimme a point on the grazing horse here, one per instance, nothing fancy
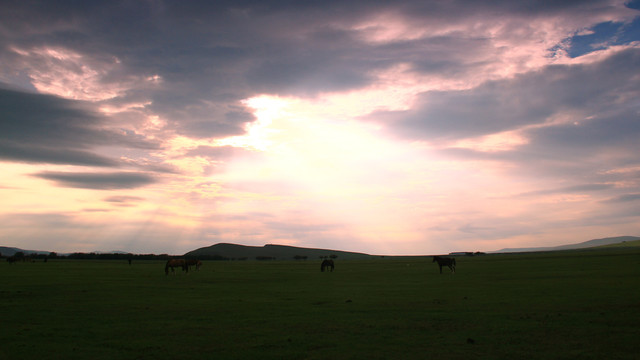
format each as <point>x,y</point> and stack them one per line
<point>327,264</point>
<point>173,263</point>
<point>194,262</point>
<point>445,261</point>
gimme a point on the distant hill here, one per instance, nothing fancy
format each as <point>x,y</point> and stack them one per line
<point>619,241</point>
<point>10,251</point>
<point>278,252</point>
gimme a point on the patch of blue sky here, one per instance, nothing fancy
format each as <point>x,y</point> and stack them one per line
<point>602,36</point>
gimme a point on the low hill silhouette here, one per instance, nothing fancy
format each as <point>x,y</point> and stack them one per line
<point>10,251</point>
<point>276,252</point>
<point>619,240</point>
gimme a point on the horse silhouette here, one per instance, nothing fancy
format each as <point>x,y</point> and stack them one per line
<point>445,261</point>
<point>173,263</point>
<point>194,262</point>
<point>328,265</point>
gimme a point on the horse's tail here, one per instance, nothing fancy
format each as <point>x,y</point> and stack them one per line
<point>166,268</point>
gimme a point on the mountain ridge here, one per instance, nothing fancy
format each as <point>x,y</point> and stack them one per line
<point>279,252</point>
<point>10,251</point>
<point>581,245</point>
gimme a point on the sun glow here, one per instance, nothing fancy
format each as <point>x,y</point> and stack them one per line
<point>265,108</point>
<point>334,169</point>
<point>318,141</point>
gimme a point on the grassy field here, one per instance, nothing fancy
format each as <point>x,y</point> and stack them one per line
<point>564,305</point>
<point>635,243</point>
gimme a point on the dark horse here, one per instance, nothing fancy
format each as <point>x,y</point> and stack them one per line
<point>445,261</point>
<point>194,262</point>
<point>173,263</point>
<point>327,264</point>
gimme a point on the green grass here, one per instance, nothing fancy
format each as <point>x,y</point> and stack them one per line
<point>563,305</point>
<point>634,243</point>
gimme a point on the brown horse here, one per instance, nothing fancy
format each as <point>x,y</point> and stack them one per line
<point>194,262</point>
<point>445,261</point>
<point>327,264</point>
<point>173,263</point>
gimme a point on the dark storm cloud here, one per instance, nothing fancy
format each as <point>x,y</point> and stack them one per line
<point>98,181</point>
<point>47,129</point>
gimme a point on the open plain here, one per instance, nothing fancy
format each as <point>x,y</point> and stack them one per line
<point>556,305</point>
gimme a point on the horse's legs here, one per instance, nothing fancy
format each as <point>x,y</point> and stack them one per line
<point>440,268</point>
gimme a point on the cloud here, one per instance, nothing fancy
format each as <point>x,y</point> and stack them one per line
<point>48,129</point>
<point>624,198</point>
<point>123,199</point>
<point>216,152</point>
<point>39,154</point>
<point>583,188</point>
<point>530,99</point>
<point>98,181</point>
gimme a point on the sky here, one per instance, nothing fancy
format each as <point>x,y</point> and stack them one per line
<point>396,128</point>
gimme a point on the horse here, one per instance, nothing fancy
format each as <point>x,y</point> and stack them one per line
<point>445,261</point>
<point>173,263</point>
<point>326,264</point>
<point>194,262</point>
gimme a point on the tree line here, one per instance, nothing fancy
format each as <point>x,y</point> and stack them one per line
<point>21,256</point>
